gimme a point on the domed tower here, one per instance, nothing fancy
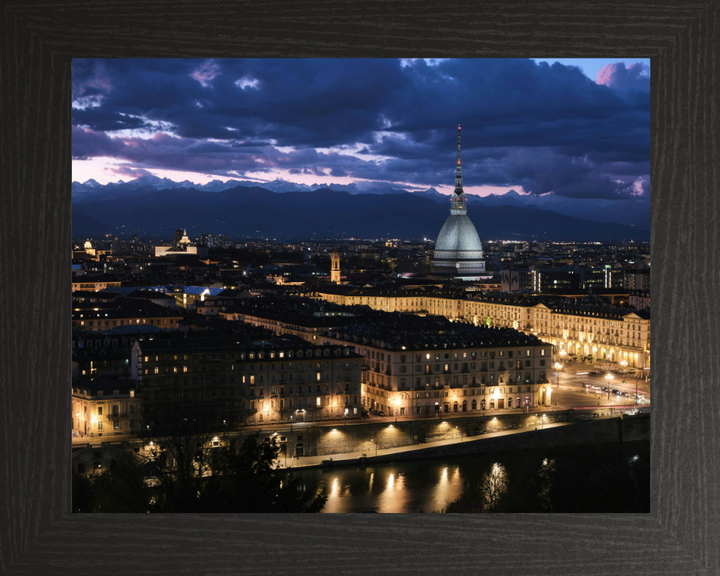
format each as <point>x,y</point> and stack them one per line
<point>458,251</point>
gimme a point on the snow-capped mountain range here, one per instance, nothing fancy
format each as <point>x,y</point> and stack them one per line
<point>629,211</point>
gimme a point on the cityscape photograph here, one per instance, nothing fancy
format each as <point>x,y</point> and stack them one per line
<point>361,285</point>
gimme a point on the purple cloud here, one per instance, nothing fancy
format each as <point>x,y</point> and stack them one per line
<point>90,83</point>
<point>205,72</point>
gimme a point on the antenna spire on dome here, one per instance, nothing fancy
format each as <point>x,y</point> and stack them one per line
<point>458,169</point>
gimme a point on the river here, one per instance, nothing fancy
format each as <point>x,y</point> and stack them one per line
<point>590,478</point>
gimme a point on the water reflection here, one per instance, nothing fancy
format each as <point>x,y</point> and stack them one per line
<point>579,479</point>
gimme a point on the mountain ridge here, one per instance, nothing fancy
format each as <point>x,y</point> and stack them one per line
<point>635,211</point>
<point>325,213</point>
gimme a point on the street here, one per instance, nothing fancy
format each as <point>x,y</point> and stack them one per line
<point>570,394</point>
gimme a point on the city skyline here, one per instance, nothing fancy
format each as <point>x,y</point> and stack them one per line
<point>529,126</point>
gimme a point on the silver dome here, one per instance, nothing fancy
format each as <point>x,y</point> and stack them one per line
<point>458,239</point>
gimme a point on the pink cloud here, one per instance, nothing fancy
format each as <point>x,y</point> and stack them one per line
<point>129,171</point>
<point>616,75</point>
<point>206,72</point>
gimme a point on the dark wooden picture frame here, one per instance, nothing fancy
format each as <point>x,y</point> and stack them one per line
<point>39,535</point>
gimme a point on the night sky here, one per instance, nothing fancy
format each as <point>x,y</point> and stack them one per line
<point>534,126</point>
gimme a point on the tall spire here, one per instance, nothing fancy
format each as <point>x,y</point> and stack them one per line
<point>458,169</point>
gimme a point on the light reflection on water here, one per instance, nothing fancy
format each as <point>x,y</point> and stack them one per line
<point>389,488</point>
<point>430,486</point>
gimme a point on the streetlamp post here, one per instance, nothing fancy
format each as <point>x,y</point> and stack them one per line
<point>558,366</point>
<point>609,378</point>
<point>397,402</point>
<point>461,432</point>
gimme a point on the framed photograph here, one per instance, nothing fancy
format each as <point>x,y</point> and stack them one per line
<point>41,535</point>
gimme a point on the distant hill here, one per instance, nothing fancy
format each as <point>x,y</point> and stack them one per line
<point>85,226</point>
<point>259,213</point>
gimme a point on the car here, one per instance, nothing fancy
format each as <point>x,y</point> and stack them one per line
<point>381,413</point>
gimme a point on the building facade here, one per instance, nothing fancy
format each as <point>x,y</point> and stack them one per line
<point>102,408</point>
<point>601,332</point>
<point>287,382</point>
<point>475,370</point>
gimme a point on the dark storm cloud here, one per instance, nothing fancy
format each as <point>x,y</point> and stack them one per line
<point>547,128</point>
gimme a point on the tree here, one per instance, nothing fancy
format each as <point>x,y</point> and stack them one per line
<point>119,489</point>
<point>186,472</point>
<point>250,481</point>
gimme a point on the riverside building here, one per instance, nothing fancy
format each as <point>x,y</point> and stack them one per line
<point>281,380</point>
<point>427,366</point>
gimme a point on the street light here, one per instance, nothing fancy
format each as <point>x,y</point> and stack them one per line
<point>461,433</point>
<point>609,378</point>
<point>542,422</point>
<point>557,374</point>
<point>397,403</point>
<point>346,413</point>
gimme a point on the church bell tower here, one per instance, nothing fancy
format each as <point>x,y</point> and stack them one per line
<point>335,268</point>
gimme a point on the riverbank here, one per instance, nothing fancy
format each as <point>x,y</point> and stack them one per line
<point>600,430</point>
